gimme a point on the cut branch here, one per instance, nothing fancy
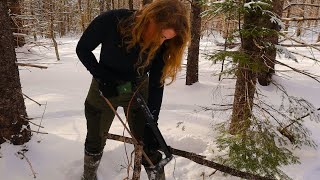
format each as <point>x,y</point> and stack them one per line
<point>198,159</point>
<point>31,65</point>
<point>33,172</point>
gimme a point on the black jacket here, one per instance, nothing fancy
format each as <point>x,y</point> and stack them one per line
<point>116,63</point>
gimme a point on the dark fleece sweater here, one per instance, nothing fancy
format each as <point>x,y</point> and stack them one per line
<point>116,63</point>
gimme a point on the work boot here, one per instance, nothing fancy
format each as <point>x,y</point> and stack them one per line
<point>90,167</point>
<point>158,176</point>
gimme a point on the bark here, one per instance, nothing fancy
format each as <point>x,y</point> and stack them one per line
<point>81,16</point>
<point>112,3</point>
<point>288,15</point>
<point>192,74</point>
<point>16,22</point>
<point>88,12</point>
<point>246,79</point>
<point>268,63</point>
<point>131,4</point>
<point>137,162</point>
<point>198,159</point>
<point>317,15</point>
<point>101,6</point>
<point>300,23</point>
<point>51,28</point>
<point>13,126</point>
<point>62,17</point>
<point>108,5</point>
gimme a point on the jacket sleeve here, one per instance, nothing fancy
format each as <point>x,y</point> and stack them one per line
<point>155,87</point>
<point>90,39</point>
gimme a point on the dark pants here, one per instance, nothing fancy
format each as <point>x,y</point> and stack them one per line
<point>100,116</point>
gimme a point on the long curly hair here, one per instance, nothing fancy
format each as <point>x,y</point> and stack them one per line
<point>166,14</point>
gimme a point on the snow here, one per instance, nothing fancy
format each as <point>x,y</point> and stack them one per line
<point>183,123</point>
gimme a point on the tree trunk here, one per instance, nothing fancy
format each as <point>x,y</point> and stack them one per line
<point>131,4</point>
<point>112,3</point>
<point>101,6</point>
<point>108,5</point>
<point>300,23</point>
<point>265,75</point>
<point>51,28</point>
<point>317,21</point>
<point>88,12</point>
<point>13,124</point>
<point>62,17</point>
<point>246,79</point>
<point>192,75</point>
<point>258,56</point>
<point>81,16</point>
<point>16,22</point>
<point>288,15</point>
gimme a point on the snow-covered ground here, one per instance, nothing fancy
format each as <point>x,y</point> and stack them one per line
<point>58,155</point>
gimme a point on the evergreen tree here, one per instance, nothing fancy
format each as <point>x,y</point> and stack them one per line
<point>14,126</point>
<point>260,136</point>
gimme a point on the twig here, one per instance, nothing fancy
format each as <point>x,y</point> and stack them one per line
<point>300,42</point>
<point>300,19</point>
<point>213,173</point>
<point>135,141</point>
<point>31,99</point>
<point>200,160</point>
<point>31,122</point>
<point>299,71</point>
<point>305,56</point>
<point>33,172</point>
<point>31,65</point>
<point>37,131</point>
<point>45,107</point>
<point>296,120</point>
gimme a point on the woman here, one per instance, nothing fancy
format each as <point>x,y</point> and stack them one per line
<point>142,47</point>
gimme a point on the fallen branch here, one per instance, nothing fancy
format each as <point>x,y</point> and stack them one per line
<point>199,159</point>
<point>23,156</point>
<point>31,65</point>
<point>300,19</point>
<point>298,45</point>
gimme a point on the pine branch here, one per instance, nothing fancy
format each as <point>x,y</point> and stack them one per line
<point>199,159</point>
